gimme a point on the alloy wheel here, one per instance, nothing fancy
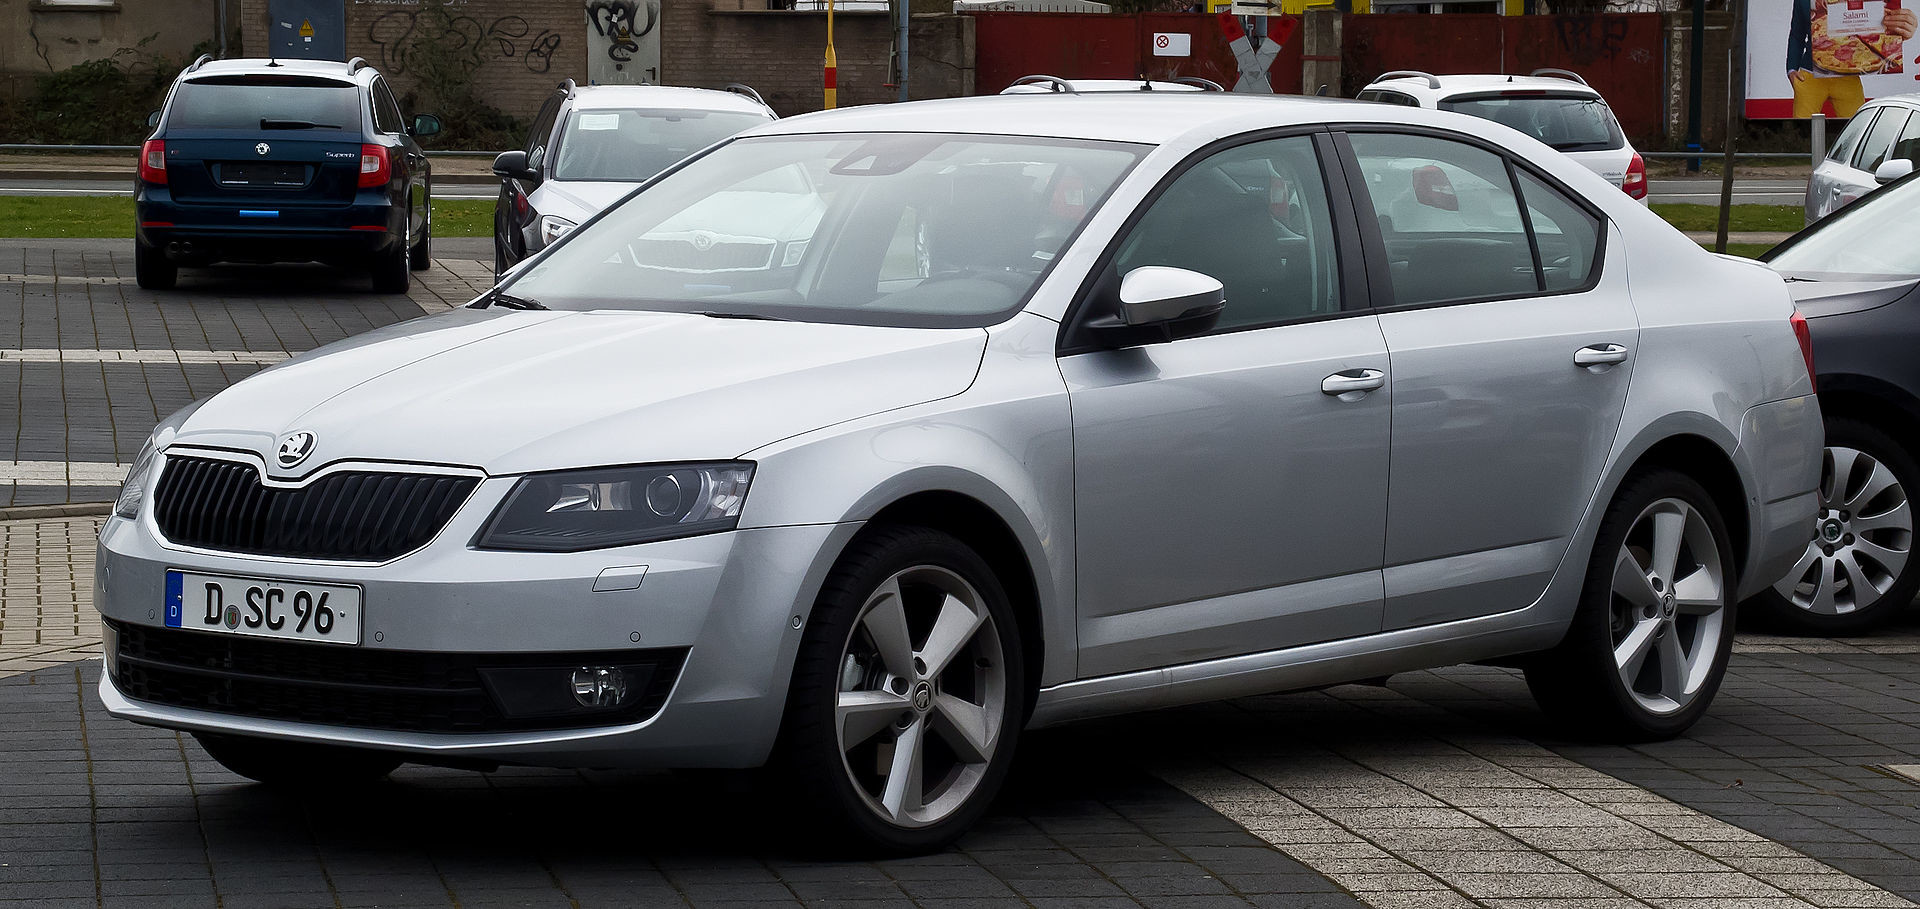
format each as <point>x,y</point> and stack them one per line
<point>922,696</point>
<point>1860,543</point>
<point>1669,603</point>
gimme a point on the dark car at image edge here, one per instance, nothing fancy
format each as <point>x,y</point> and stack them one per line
<point>283,161</point>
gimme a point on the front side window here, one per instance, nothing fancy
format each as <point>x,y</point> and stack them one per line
<point>1254,217</point>
<point>1448,216</point>
<point>541,130</point>
<point>264,102</point>
<point>1879,140</point>
<point>631,145</point>
<point>1563,122</point>
<point>906,229</point>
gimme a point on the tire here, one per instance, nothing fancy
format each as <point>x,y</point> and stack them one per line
<point>420,257</point>
<point>1629,598</point>
<point>391,271</point>
<point>151,268</point>
<point>1868,577</point>
<point>930,583</point>
<point>290,764</point>
<point>499,259</point>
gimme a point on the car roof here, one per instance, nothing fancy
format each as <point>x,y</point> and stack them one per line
<point>1471,83</point>
<point>598,97</point>
<point>253,66</point>
<point>1153,118</point>
<point>1910,99</point>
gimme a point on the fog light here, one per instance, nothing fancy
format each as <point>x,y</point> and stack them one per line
<point>599,687</point>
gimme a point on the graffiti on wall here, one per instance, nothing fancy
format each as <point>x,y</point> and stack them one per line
<point>506,37</point>
<point>622,23</point>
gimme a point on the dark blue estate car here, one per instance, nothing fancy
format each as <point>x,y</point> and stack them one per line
<point>283,161</point>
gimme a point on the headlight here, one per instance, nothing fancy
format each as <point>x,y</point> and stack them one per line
<point>617,506</point>
<point>134,491</point>
<point>553,227</point>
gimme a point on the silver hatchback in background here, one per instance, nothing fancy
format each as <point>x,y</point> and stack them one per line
<point>1879,146</point>
<point>1011,439</point>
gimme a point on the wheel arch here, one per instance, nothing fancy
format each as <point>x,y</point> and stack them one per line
<point>1888,407</point>
<point>1710,465</point>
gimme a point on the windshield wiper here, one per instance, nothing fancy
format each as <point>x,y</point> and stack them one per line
<point>1790,279</point>
<point>751,316</point>
<point>294,124</point>
<point>512,302</point>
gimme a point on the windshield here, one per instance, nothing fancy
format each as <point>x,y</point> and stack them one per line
<point>629,146</point>
<point>264,102</point>
<point>1565,122</point>
<point>1872,238</point>
<point>905,229</point>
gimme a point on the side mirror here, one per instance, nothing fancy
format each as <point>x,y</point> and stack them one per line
<point>153,119</point>
<point>425,125</point>
<point>1892,169</point>
<point>1158,295</point>
<point>513,164</point>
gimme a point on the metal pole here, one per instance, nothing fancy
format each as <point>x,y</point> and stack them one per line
<point>1697,49</point>
<point>900,44</point>
<point>220,15</point>
<point>831,79</point>
<point>1819,138</point>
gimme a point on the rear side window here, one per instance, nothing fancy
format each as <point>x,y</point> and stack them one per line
<point>1850,138</point>
<point>386,110</point>
<point>1564,122</point>
<point>265,102</point>
<point>1879,142</point>
<point>1383,96</point>
<point>1449,218</point>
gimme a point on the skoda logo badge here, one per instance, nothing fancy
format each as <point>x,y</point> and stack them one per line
<point>294,448</point>
<point>702,240</point>
<point>263,148</point>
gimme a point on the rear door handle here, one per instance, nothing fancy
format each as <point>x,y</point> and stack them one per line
<point>1352,380</point>
<point>1600,355</point>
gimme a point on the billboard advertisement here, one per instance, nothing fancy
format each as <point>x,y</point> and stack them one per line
<point>1828,56</point>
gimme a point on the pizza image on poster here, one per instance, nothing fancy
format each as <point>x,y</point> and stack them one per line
<point>1850,37</point>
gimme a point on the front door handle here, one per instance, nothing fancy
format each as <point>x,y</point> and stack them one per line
<point>1600,355</point>
<point>1347,381</point>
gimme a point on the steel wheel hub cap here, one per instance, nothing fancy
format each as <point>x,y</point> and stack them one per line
<point>1861,541</point>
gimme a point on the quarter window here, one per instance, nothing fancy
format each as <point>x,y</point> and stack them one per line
<point>386,111</point>
<point>1449,218</point>
<point>1256,218</point>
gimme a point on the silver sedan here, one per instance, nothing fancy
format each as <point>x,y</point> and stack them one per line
<point>1068,406</point>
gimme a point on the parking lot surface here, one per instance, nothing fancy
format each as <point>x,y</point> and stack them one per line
<point>1437,789</point>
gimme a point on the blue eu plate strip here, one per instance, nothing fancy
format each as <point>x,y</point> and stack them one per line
<point>173,599</point>
<point>245,213</point>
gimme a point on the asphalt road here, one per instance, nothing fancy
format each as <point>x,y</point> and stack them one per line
<point>1697,190</point>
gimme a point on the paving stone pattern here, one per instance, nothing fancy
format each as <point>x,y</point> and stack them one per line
<point>46,593</point>
<point>99,812</point>
<point>138,355</point>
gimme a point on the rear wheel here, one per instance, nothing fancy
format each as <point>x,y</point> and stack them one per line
<point>1858,573</point>
<point>1649,642</point>
<point>420,257</point>
<point>908,694</point>
<point>392,272</point>
<point>152,269</point>
<point>278,763</point>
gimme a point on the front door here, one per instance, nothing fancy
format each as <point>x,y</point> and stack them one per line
<point>1231,488</point>
<point>1512,342</point>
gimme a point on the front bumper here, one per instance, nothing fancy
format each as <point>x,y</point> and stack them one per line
<point>728,601</point>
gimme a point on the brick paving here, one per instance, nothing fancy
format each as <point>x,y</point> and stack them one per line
<point>46,593</point>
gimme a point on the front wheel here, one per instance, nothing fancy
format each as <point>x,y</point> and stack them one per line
<point>908,694</point>
<point>1649,642</point>
<point>291,764</point>
<point>1857,574</point>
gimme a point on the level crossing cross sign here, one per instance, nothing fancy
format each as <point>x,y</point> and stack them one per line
<point>1254,62</point>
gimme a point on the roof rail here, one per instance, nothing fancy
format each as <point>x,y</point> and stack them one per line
<point>740,89</point>
<point>1205,85</point>
<point>355,65</point>
<point>567,86</point>
<point>1058,84</point>
<point>1432,80</point>
<point>1559,74</point>
<point>195,65</point>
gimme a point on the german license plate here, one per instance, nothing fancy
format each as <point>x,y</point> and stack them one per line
<point>263,174</point>
<point>264,608</point>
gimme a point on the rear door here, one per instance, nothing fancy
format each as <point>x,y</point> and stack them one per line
<point>1511,342</point>
<point>264,142</point>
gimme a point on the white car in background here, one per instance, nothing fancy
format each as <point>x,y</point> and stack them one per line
<point>1881,145</point>
<point>1553,106</point>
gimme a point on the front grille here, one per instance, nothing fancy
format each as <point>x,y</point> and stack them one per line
<point>720,255</point>
<point>353,516</point>
<point>401,690</point>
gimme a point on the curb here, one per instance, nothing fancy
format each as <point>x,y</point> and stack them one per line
<point>70,510</point>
